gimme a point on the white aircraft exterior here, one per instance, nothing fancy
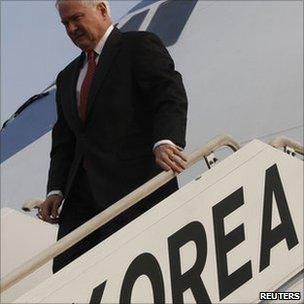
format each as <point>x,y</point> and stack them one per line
<point>242,66</point>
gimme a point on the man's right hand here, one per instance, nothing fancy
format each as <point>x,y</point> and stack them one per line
<point>48,210</point>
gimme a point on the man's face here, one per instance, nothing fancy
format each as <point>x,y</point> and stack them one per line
<point>84,24</point>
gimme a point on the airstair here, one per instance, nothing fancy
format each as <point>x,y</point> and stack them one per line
<point>234,234</point>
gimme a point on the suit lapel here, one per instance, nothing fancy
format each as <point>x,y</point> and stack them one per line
<point>107,56</point>
<point>70,91</point>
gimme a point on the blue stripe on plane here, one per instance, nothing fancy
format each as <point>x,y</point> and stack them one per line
<point>142,4</point>
<point>35,121</point>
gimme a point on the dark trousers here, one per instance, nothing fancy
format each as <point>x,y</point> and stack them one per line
<point>80,206</point>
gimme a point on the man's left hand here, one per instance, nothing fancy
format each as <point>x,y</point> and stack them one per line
<point>170,157</point>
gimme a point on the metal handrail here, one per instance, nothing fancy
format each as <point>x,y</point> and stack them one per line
<point>105,216</point>
<point>282,142</point>
<point>31,204</point>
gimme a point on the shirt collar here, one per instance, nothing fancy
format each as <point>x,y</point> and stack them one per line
<point>103,40</point>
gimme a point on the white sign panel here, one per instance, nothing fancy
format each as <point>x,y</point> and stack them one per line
<point>223,238</point>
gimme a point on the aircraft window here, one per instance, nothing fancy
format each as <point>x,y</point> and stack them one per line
<point>135,22</point>
<point>170,19</point>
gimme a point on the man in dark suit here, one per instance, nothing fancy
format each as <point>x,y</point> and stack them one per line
<point>121,120</point>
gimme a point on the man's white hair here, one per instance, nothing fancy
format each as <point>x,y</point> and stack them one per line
<point>90,3</point>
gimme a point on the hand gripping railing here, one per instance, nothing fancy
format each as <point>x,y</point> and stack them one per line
<point>110,213</point>
<point>284,142</point>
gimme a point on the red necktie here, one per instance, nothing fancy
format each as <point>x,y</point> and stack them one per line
<point>85,87</point>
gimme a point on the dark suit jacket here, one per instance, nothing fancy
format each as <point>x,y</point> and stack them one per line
<point>136,99</point>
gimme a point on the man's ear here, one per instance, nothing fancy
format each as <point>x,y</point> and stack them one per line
<point>102,8</point>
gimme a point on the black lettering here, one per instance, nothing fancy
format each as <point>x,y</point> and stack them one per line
<point>144,264</point>
<point>286,230</point>
<point>195,232</point>
<point>226,242</point>
<point>98,293</point>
